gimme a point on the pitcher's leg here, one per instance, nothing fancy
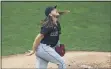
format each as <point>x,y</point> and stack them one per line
<point>41,63</point>
<point>52,56</point>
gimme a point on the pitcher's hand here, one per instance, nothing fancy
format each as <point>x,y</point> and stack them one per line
<point>30,53</point>
<point>67,11</point>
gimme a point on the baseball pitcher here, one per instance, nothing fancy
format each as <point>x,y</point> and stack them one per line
<point>46,46</point>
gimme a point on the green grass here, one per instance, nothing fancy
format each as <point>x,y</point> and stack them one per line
<point>85,28</point>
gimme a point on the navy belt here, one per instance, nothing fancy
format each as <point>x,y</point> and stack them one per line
<point>51,45</point>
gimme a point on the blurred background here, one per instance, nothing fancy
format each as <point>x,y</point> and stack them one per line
<point>85,28</point>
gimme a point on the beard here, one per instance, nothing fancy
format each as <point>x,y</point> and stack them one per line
<point>57,16</point>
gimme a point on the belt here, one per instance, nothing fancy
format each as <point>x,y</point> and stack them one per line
<point>51,45</point>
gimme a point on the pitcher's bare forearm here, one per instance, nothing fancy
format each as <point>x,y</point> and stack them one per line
<point>37,41</point>
<point>63,12</point>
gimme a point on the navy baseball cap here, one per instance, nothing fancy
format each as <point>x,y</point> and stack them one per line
<point>49,9</point>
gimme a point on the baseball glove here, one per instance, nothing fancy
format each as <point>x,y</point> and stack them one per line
<point>60,50</point>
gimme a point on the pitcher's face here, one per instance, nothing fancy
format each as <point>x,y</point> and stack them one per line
<point>54,13</point>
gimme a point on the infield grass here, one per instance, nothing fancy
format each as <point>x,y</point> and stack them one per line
<point>85,28</point>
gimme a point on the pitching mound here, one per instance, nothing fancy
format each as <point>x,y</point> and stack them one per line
<point>73,60</point>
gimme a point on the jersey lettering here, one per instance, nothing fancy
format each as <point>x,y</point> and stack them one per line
<point>54,33</point>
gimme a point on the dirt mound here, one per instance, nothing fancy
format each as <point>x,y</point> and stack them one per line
<point>73,60</point>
